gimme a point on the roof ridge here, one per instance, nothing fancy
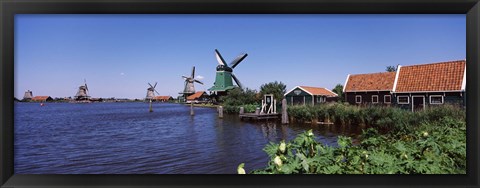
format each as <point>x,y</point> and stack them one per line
<point>443,62</point>
<point>372,73</point>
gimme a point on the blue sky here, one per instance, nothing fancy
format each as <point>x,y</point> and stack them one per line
<point>119,54</point>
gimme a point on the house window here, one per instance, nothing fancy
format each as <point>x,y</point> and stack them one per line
<point>387,99</point>
<point>358,99</point>
<point>403,100</point>
<point>436,99</point>
<point>320,99</point>
<point>374,98</point>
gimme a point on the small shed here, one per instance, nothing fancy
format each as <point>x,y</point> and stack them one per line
<point>42,99</point>
<point>306,95</point>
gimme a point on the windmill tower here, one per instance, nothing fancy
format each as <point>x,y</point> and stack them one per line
<point>189,87</point>
<point>82,93</point>
<point>151,92</point>
<point>28,95</point>
<point>223,79</point>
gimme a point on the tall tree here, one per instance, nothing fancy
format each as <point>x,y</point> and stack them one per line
<point>339,91</point>
<point>391,69</point>
<point>278,89</point>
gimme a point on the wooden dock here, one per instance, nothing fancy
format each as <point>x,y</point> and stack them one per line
<point>255,116</point>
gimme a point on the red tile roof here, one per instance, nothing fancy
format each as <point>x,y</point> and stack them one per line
<point>443,76</point>
<point>382,81</point>
<point>318,91</point>
<point>40,98</point>
<point>163,97</point>
<point>196,95</point>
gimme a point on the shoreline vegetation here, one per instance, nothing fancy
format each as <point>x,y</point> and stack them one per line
<point>397,141</point>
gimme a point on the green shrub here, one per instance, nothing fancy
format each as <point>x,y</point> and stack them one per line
<point>430,148</point>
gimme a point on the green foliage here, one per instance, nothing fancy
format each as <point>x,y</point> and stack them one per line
<point>391,69</point>
<point>278,89</point>
<point>380,117</point>
<point>237,98</point>
<point>339,91</point>
<point>430,148</point>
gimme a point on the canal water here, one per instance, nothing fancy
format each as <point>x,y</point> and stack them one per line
<point>124,138</point>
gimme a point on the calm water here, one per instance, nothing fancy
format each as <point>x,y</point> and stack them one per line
<point>123,138</point>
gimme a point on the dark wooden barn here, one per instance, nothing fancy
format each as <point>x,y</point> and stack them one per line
<point>420,86</point>
<point>305,95</point>
<point>369,89</point>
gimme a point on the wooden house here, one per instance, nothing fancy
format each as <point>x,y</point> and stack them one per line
<point>163,98</point>
<point>305,95</point>
<point>42,99</point>
<point>374,88</point>
<point>419,86</point>
<point>198,97</point>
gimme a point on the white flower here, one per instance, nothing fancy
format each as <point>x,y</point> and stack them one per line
<point>310,133</point>
<point>240,169</point>
<point>405,156</point>
<point>282,147</point>
<point>425,134</point>
<point>278,161</point>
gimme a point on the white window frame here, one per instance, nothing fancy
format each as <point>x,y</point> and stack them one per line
<point>319,99</point>
<point>356,101</point>
<point>385,99</point>
<point>398,100</point>
<point>372,99</point>
<point>430,99</point>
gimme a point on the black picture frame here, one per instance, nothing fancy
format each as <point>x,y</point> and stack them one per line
<point>9,8</point>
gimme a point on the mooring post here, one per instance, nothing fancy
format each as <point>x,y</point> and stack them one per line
<point>220,111</point>
<point>284,112</point>
<point>242,110</point>
<point>191,109</point>
<point>150,108</point>
<point>257,111</point>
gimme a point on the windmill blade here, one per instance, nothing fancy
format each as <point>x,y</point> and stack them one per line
<point>220,59</point>
<point>86,87</point>
<point>185,87</point>
<point>156,91</point>
<point>198,81</point>
<point>155,85</point>
<point>185,77</point>
<point>237,81</point>
<point>150,85</point>
<point>237,60</point>
<point>193,72</point>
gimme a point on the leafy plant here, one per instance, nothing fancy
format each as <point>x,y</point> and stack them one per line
<point>430,148</point>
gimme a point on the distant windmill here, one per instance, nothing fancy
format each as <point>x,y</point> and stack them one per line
<point>28,95</point>
<point>82,93</point>
<point>223,79</point>
<point>151,95</point>
<point>189,87</point>
<point>151,92</point>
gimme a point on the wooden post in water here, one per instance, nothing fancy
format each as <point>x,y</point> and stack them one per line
<point>242,110</point>
<point>191,109</point>
<point>220,111</point>
<point>150,108</point>
<point>284,112</point>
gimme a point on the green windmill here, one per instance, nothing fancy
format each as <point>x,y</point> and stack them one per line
<point>223,79</point>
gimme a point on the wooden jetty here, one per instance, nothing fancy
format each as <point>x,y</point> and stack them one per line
<point>259,116</point>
